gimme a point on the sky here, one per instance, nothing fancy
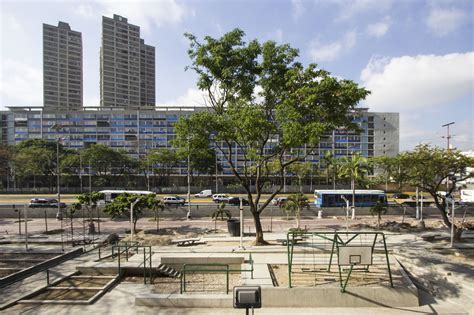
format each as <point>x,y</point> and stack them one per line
<point>416,57</point>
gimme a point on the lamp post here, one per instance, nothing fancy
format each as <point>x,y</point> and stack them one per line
<point>448,138</point>
<point>188,215</point>
<point>347,212</point>
<point>215,152</point>
<point>131,217</point>
<point>59,215</point>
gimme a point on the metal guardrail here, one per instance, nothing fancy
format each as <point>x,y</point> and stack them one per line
<point>124,247</point>
<point>189,268</point>
<point>43,266</point>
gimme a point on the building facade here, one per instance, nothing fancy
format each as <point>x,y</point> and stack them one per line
<point>126,81</point>
<point>138,131</point>
<point>147,75</point>
<point>62,67</point>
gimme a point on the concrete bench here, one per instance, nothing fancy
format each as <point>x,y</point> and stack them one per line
<point>187,242</point>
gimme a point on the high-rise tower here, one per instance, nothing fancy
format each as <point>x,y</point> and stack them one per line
<point>126,81</point>
<point>62,67</point>
<point>147,75</point>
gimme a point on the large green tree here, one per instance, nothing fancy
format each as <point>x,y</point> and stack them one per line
<point>121,205</point>
<point>37,157</point>
<point>263,105</point>
<point>429,167</point>
<point>106,162</point>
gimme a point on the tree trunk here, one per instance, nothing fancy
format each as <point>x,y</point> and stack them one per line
<point>353,193</point>
<point>298,219</point>
<point>444,215</point>
<point>258,229</point>
<point>135,225</point>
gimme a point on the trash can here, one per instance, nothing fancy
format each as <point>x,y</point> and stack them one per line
<point>233,225</point>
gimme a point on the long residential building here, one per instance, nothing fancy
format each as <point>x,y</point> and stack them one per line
<point>62,67</point>
<point>137,131</point>
<point>127,66</point>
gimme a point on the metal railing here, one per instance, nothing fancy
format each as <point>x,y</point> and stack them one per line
<point>213,267</point>
<point>124,247</point>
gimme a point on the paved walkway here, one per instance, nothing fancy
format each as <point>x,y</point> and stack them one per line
<point>446,276</point>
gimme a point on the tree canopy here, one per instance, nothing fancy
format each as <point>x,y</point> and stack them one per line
<point>429,167</point>
<point>265,105</point>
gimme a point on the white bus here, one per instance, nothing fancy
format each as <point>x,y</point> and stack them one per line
<point>333,198</point>
<point>109,195</point>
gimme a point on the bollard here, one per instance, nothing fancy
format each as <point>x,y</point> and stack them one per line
<point>353,213</point>
<point>320,214</point>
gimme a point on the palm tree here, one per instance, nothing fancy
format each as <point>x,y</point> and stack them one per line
<point>220,212</point>
<point>354,167</point>
<point>378,209</point>
<point>296,203</point>
<point>332,166</point>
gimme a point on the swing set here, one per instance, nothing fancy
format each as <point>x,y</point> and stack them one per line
<point>350,253</point>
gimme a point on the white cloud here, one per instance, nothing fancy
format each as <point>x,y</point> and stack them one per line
<point>22,84</point>
<point>297,8</point>
<point>276,36</point>
<point>351,9</point>
<point>85,10</point>
<point>421,88</point>
<point>147,13</point>
<point>331,51</point>
<point>444,21</point>
<point>192,97</point>
<point>13,23</point>
<point>379,29</point>
<point>421,81</point>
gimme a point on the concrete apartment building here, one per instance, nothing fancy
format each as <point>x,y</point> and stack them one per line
<point>126,81</point>
<point>147,75</point>
<point>137,131</point>
<point>62,67</point>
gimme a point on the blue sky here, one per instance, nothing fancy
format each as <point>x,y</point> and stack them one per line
<point>417,57</point>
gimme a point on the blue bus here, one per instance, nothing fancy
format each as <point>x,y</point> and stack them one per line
<point>333,198</point>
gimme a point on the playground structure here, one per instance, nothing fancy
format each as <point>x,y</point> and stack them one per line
<point>354,250</point>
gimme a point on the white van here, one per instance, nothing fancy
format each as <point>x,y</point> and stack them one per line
<point>204,194</point>
<point>467,195</point>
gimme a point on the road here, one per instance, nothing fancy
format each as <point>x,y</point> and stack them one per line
<point>20,199</point>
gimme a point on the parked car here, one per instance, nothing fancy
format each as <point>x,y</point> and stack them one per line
<point>236,201</point>
<point>220,198</point>
<point>204,194</point>
<point>279,201</point>
<point>173,200</point>
<point>400,196</point>
<point>45,203</point>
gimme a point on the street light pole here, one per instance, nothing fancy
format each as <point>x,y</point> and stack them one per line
<point>188,215</point>
<point>215,152</point>
<point>131,217</point>
<point>448,138</point>
<point>59,215</point>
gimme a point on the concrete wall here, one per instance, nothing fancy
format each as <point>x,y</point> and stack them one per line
<point>205,211</point>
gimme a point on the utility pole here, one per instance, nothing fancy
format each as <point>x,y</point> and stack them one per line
<point>188,216</point>
<point>448,138</point>
<point>448,135</point>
